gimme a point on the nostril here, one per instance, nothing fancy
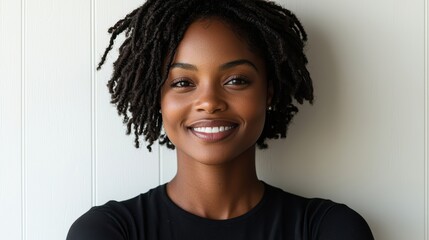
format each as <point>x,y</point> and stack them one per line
<point>212,107</point>
<point>211,104</point>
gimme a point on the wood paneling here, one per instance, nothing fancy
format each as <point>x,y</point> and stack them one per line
<point>364,142</point>
<point>10,120</point>
<point>58,116</point>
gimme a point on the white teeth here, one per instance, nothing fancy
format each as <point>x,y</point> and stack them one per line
<point>212,129</point>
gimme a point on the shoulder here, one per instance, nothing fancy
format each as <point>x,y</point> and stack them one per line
<point>96,224</point>
<point>322,219</point>
<point>341,222</point>
<point>114,220</point>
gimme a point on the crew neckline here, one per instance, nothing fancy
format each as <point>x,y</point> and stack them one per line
<point>182,212</point>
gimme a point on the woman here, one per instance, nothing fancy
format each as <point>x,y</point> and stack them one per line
<point>220,77</point>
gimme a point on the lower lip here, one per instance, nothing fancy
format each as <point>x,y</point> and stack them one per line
<point>214,137</point>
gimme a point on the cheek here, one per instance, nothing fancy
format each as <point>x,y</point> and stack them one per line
<point>253,109</point>
<point>173,111</point>
<point>168,110</point>
<point>256,118</point>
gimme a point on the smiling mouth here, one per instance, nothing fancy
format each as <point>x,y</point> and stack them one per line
<point>213,131</point>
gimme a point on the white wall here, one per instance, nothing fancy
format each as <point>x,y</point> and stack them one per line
<point>364,142</point>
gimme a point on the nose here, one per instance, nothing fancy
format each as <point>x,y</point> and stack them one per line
<point>210,99</point>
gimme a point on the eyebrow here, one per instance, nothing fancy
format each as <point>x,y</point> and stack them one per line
<point>185,66</point>
<point>224,66</point>
<point>237,63</point>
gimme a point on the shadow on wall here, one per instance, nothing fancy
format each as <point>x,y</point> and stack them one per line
<point>307,154</point>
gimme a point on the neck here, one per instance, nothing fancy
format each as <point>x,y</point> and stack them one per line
<point>216,191</point>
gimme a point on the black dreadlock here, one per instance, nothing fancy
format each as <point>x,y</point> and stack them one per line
<point>153,32</point>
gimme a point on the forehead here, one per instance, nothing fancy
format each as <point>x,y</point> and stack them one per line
<point>211,40</point>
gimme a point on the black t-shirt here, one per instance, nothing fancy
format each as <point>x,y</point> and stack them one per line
<point>279,215</point>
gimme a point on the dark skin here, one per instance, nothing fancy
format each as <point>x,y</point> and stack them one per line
<point>213,107</point>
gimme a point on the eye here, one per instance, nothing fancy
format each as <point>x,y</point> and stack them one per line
<point>238,81</point>
<point>181,83</point>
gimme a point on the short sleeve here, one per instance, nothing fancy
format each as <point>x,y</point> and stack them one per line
<point>341,222</point>
<point>95,225</point>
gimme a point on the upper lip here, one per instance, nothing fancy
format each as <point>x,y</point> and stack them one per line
<point>212,123</point>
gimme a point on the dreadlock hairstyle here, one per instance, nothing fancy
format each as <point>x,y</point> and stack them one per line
<point>153,33</point>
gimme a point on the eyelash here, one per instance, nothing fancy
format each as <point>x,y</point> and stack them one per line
<point>175,83</point>
<point>186,83</point>
<point>242,80</point>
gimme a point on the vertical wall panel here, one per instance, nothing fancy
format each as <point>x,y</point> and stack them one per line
<point>362,142</point>
<point>426,72</point>
<point>122,171</point>
<point>10,119</point>
<point>58,165</point>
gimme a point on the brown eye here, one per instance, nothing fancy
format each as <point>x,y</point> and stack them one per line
<point>181,83</point>
<point>237,81</point>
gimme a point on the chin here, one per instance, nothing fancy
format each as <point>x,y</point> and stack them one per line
<point>219,156</point>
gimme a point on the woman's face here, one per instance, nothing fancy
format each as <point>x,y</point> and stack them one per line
<point>214,100</point>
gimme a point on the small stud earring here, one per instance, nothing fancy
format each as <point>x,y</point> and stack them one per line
<point>270,108</point>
